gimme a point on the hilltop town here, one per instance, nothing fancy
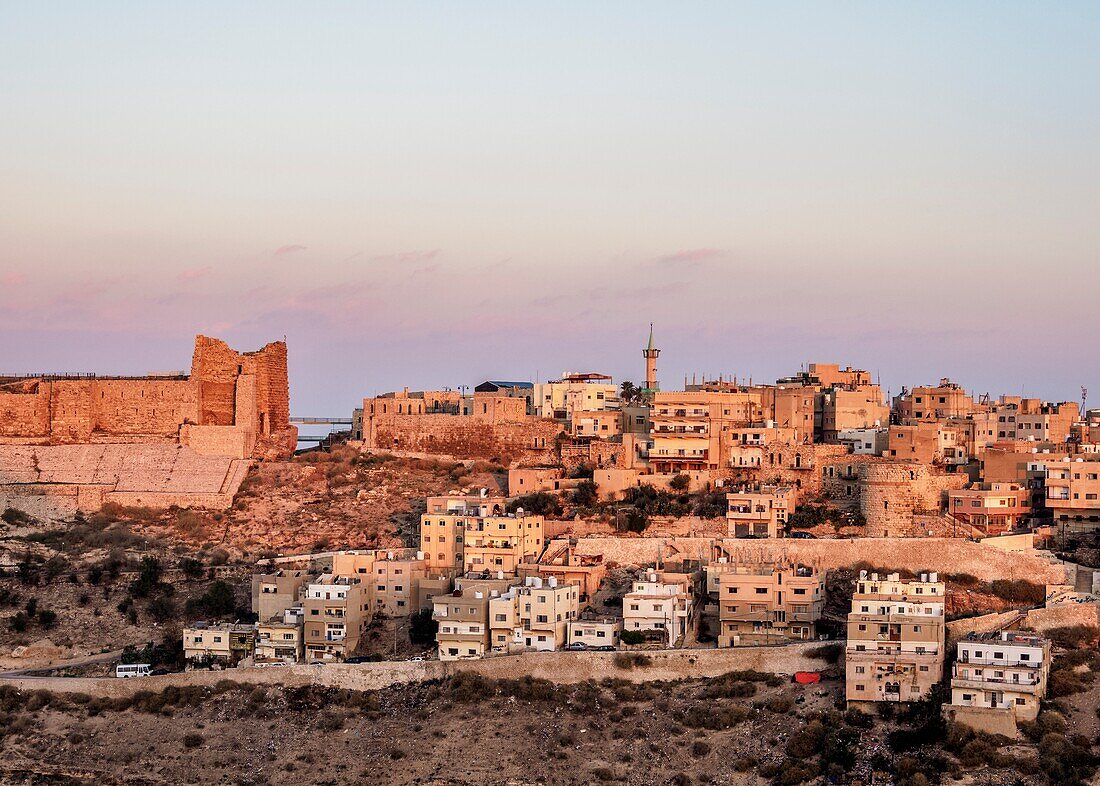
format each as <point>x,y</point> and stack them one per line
<point>895,591</point>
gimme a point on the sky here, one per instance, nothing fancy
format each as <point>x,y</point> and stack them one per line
<point>432,194</point>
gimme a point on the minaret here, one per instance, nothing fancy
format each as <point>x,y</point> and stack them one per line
<point>650,354</point>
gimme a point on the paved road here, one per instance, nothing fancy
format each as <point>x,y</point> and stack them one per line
<point>38,672</point>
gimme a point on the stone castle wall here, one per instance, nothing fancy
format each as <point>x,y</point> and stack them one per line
<point>248,391</point>
<point>71,444</point>
<point>891,493</point>
<point>530,442</point>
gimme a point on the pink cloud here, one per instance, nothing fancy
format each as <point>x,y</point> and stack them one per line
<point>407,256</point>
<point>691,255</point>
<point>288,250</point>
<point>194,273</point>
<point>13,279</point>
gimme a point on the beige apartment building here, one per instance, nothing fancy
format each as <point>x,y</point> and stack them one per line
<point>573,394</point>
<point>1072,491</point>
<point>943,401</point>
<point>225,644</point>
<point>994,508</point>
<point>895,638</point>
<point>463,618</point>
<point>397,578</point>
<point>660,604</point>
<point>502,543</point>
<point>1025,419</point>
<point>759,511</point>
<point>443,527</point>
<point>336,610</point>
<point>534,615</point>
<point>279,641</point>
<point>928,442</point>
<point>845,409</point>
<point>769,603</point>
<point>274,593</point>
<point>998,680</point>
<point>686,428</point>
<point>596,632</point>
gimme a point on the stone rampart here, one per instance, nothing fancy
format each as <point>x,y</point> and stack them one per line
<point>528,443</point>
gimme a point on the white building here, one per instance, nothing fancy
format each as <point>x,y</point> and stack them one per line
<point>654,604</point>
<point>999,679</point>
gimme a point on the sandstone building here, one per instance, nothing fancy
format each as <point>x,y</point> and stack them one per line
<point>895,639</point>
<point>768,603</point>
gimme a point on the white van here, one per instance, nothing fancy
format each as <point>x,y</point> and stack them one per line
<point>127,670</point>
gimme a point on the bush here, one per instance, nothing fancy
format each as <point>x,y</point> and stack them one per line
<point>18,622</point>
<point>1019,591</point>
<point>16,517</point>
<point>585,495</point>
<point>192,740</point>
<point>540,503</point>
<point>1073,636</point>
<point>700,748</point>
<point>422,628</point>
<point>47,618</point>
<point>631,660</point>
<point>632,637</point>
<point>191,567</point>
<point>680,483</point>
<point>217,601</point>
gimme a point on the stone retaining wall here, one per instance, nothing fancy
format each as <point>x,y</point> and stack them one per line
<point>561,667</point>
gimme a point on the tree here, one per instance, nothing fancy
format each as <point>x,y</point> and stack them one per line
<point>680,482</point>
<point>585,494</point>
<point>630,394</point>
<point>422,628</point>
<point>161,608</point>
<point>191,567</point>
<point>217,601</point>
<point>148,577</point>
<point>540,503</point>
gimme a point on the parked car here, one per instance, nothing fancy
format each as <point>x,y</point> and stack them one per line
<point>802,535</point>
<point>604,648</point>
<point>576,646</point>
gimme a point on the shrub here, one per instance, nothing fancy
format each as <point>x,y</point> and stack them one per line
<point>422,628</point>
<point>1019,591</point>
<point>47,618</point>
<point>191,567</point>
<point>1073,636</point>
<point>585,494</point>
<point>217,601</point>
<point>680,483</point>
<point>632,637</point>
<point>18,622</point>
<point>540,503</point>
<point>192,740</point>
<point>631,660</point>
<point>15,517</point>
<point>700,748</point>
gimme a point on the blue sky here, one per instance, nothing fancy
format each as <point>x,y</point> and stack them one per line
<point>432,194</point>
